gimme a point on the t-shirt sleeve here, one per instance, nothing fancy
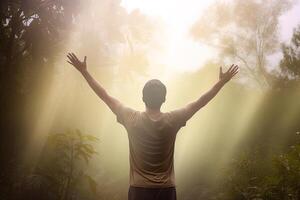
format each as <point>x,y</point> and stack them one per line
<point>179,117</point>
<point>124,114</point>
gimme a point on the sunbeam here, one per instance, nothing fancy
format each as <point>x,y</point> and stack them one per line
<point>222,104</point>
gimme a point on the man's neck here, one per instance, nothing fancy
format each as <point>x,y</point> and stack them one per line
<point>152,111</point>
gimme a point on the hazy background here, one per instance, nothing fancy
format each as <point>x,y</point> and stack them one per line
<point>226,151</point>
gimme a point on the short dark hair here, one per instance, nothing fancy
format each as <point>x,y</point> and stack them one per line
<point>154,93</point>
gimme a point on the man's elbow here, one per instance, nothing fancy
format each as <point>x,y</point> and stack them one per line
<point>194,107</point>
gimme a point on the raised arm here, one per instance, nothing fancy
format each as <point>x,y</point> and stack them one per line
<point>193,107</point>
<point>81,66</point>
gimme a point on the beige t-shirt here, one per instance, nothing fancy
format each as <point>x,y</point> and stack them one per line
<point>151,145</point>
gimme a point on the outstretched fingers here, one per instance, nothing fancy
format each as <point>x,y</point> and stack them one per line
<point>71,61</point>
<point>235,73</point>
<point>235,70</point>
<point>71,58</point>
<point>72,55</point>
<point>230,68</point>
<point>75,58</point>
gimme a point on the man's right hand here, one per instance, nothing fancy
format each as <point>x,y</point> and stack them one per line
<point>79,65</point>
<point>231,72</point>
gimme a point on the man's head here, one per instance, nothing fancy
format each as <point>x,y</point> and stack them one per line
<point>154,94</point>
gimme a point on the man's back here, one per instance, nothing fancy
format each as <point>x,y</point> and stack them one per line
<point>152,140</point>
<point>151,144</point>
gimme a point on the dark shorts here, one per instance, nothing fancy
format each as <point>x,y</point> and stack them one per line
<point>140,193</point>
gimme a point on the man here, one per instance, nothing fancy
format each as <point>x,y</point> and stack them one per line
<point>152,133</point>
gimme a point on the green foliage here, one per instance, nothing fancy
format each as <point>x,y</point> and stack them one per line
<point>31,30</point>
<point>62,168</point>
<point>286,179</point>
<point>31,35</point>
<point>243,176</point>
<point>248,176</point>
<point>290,64</point>
<point>244,31</point>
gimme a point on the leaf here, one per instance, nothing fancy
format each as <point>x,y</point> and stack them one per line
<point>91,138</point>
<point>89,149</point>
<point>81,154</point>
<point>79,134</point>
<point>92,184</point>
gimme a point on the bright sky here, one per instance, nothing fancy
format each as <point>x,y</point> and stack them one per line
<point>182,53</point>
<point>178,15</point>
<point>289,21</point>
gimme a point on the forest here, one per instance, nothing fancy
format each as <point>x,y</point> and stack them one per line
<point>60,142</point>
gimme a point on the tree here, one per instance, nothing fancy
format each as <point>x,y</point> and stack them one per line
<point>290,64</point>
<point>33,34</point>
<point>29,35</point>
<point>286,179</point>
<point>30,31</point>
<point>245,31</point>
<point>62,169</point>
<point>139,33</point>
<point>115,37</point>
